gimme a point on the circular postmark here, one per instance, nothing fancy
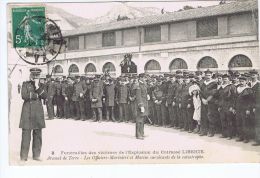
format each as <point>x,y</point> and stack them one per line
<point>38,40</point>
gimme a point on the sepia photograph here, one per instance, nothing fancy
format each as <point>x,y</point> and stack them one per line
<point>133,82</point>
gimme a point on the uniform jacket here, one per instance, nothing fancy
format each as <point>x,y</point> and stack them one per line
<point>178,93</point>
<point>96,92</point>
<point>227,96</point>
<point>109,92</point>
<point>132,93</point>
<point>165,86</point>
<point>171,93</point>
<point>122,94</point>
<point>78,88</point>
<point>141,98</point>
<point>157,95</point>
<point>58,88</point>
<point>245,98</point>
<point>51,88</point>
<point>185,96</point>
<point>255,87</point>
<point>67,90</point>
<point>32,116</point>
<point>209,89</point>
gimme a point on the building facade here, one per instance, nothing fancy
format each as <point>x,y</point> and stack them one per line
<point>221,38</point>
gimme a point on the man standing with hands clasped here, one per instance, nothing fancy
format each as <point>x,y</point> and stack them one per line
<point>32,116</point>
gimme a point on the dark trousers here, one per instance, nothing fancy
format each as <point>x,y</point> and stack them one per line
<point>36,143</point>
<point>189,119</point>
<point>204,119</point>
<point>185,117</point>
<point>158,120</point>
<point>88,110</point>
<point>110,113</point>
<point>50,107</point>
<point>82,109</point>
<point>123,115</point>
<point>243,125</point>
<point>76,109</point>
<point>133,111</point>
<point>60,105</point>
<point>97,114</point>
<point>171,114</point>
<point>165,115</point>
<point>139,127</point>
<point>227,127</point>
<point>66,109</point>
<point>179,117</point>
<point>212,117</point>
<point>151,109</point>
<point>175,117</point>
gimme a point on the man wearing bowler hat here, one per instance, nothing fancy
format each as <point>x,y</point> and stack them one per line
<point>32,116</point>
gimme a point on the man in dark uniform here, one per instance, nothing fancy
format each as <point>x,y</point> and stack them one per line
<point>170,98</point>
<point>59,98</point>
<point>32,116</point>
<point>209,105</point>
<point>121,99</point>
<point>82,99</point>
<point>157,97</point>
<point>109,95</point>
<point>226,102</point>
<point>151,105</point>
<point>142,103</point>
<point>186,109</point>
<point>77,97</point>
<point>132,99</point>
<point>51,91</point>
<point>256,107</point>
<point>244,105</point>
<point>88,110</point>
<point>177,101</point>
<point>67,92</point>
<point>255,85</point>
<point>164,107</point>
<point>96,94</point>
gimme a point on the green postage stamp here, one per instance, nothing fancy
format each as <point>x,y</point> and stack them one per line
<point>28,27</point>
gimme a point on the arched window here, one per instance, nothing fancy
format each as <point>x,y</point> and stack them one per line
<point>58,69</point>
<point>207,62</point>
<point>109,67</point>
<point>73,68</point>
<point>240,61</point>
<point>90,68</point>
<point>178,63</point>
<point>152,66</point>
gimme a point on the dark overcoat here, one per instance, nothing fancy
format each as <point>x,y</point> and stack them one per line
<point>109,92</point>
<point>141,99</point>
<point>257,113</point>
<point>96,92</point>
<point>32,116</point>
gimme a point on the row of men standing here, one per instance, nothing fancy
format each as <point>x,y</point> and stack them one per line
<point>169,100</point>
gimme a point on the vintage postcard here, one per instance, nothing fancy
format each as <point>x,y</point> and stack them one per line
<point>133,82</point>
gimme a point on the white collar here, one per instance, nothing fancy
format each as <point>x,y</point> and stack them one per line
<point>254,83</point>
<point>207,83</point>
<point>240,89</point>
<point>223,86</point>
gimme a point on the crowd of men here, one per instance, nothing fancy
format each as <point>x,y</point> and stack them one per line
<point>225,104</point>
